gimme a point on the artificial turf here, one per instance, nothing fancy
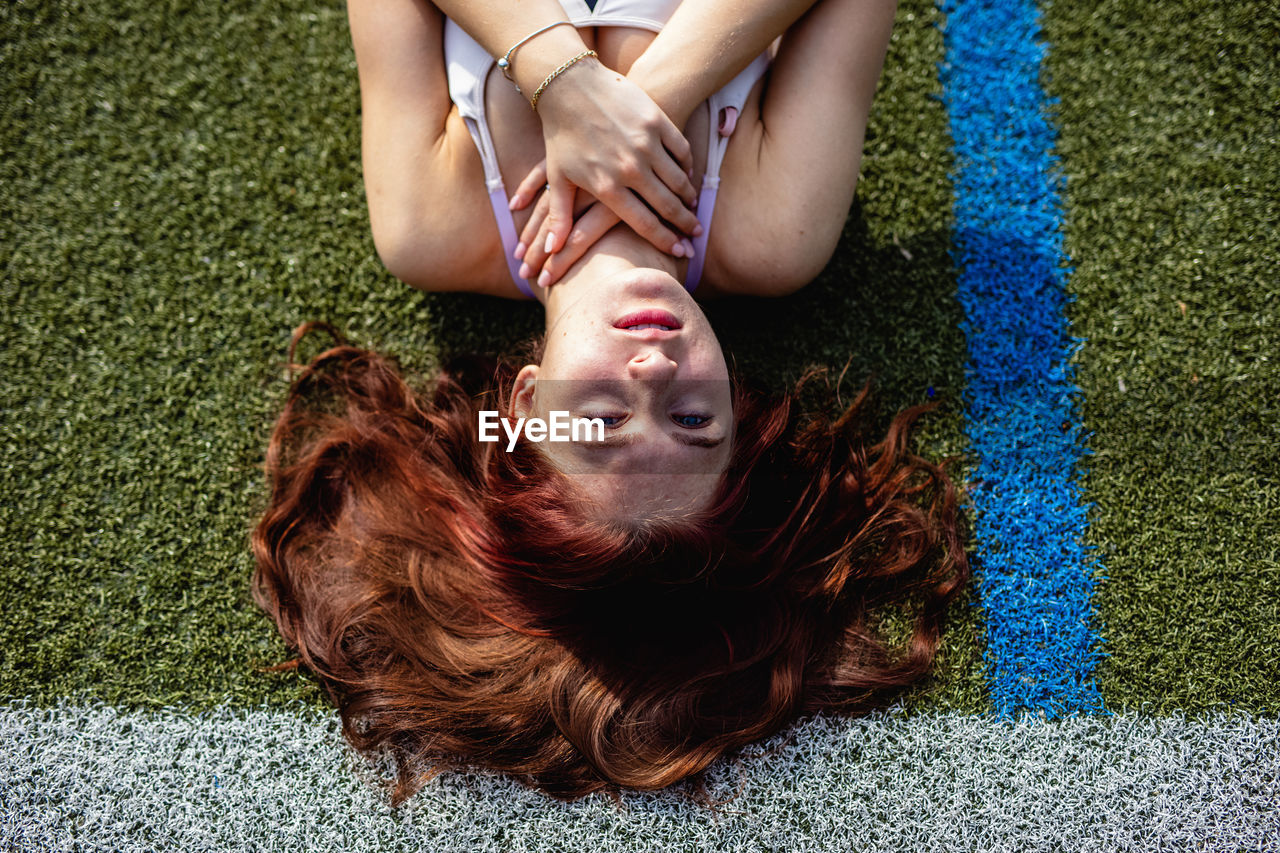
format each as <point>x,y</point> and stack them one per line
<point>1170,144</point>
<point>180,189</point>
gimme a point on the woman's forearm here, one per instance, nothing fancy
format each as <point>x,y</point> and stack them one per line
<point>701,48</point>
<point>705,44</point>
<point>602,132</point>
<point>499,26</point>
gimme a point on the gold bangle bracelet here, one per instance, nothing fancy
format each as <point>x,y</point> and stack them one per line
<point>533,102</point>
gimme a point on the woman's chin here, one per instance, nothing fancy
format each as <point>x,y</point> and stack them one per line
<point>647,283</point>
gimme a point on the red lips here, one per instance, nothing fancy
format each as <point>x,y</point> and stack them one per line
<point>650,316</point>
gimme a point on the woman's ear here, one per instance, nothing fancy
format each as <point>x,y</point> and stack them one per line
<point>522,393</point>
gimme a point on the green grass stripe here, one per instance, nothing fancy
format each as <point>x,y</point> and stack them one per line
<point>1171,146</point>
<point>179,188</point>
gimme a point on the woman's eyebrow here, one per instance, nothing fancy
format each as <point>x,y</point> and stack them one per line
<point>624,440</point>
<point>695,440</point>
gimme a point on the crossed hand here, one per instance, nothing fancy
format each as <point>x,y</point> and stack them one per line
<point>613,155</point>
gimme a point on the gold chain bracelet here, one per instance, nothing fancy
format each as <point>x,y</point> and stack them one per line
<point>533,102</point>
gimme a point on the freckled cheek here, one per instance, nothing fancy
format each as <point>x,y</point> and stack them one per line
<point>709,364</point>
<point>597,362</point>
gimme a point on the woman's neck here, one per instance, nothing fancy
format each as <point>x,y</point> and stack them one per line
<point>619,250</point>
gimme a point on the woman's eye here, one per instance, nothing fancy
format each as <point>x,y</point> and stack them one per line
<point>609,420</point>
<point>691,421</point>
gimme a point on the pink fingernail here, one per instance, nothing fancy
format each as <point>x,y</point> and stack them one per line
<point>544,279</point>
<point>697,230</point>
<point>521,248</point>
<point>525,272</point>
<point>514,202</point>
<point>551,241</point>
<point>688,248</point>
<point>678,249</point>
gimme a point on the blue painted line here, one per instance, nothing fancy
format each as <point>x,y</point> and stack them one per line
<point>1036,573</point>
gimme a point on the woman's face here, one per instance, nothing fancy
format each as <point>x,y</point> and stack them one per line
<point>630,346</point>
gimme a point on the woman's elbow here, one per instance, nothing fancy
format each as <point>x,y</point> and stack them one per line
<point>771,271</point>
<point>407,253</point>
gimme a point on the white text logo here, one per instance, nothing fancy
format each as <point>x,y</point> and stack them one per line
<point>560,427</point>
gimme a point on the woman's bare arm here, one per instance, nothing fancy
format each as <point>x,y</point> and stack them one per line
<point>788,177</point>
<point>700,49</point>
<point>427,205</point>
<point>603,133</point>
<point>705,45</point>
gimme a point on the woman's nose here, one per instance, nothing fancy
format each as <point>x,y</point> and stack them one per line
<point>651,365</point>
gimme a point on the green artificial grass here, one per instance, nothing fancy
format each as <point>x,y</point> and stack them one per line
<point>1170,141</point>
<point>180,188</point>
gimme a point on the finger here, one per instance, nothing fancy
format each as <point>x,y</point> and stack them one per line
<point>589,228</point>
<point>529,187</point>
<point>537,234</point>
<point>668,205</point>
<point>536,253</point>
<point>673,140</point>
<point>533,226</point>
<point>559,215</point>
<point>645,223</point>
<point>675,179</point>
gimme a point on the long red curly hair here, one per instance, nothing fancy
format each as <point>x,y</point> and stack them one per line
<point>462,612</point>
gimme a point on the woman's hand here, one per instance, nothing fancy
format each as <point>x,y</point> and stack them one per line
<point>593,222</point>
<point>606,136</point>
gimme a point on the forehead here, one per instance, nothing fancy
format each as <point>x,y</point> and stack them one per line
<point>632,496</point>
